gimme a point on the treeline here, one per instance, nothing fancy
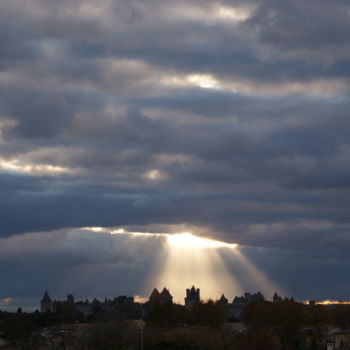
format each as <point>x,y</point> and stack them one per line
<point>285,325</point>
<point>211,314</point>
<point>290,325</point>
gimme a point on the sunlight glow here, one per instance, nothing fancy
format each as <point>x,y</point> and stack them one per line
<point>4,301</point>
<point>233,14</point>
<point>212,14</point>
<point>205,81</point>
<point>185,259</point>
<point>155,175</point>
<point>16,165</point>
<point>332,302</point>
<point>186,239</point>
<point>180,267</point>
<point>94,229</point>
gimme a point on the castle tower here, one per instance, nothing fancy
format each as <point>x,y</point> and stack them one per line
<point>223,300</point>
<point>165,296</point>
<point>276,298</point>
<point>192,297</point>
<point>46,303</point>
<point>70,299</point>
<point>154,297</point>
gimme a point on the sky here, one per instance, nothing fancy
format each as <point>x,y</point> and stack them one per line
<point>227,119</point>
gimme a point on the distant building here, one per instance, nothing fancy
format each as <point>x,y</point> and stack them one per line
<point>165,296</point>
<point>89,308</point>
<point>154,297</point>
<point>223,300</point>
<point>161,298</point>
<point>192,297</point>
<point>277,298</point>
<point>46,304</point>
<point>64,306</point>
<point>239,303</point>
<point>70,306</point>
<point>126,307</point>
<point>70,299</point>
<point>84,307</point>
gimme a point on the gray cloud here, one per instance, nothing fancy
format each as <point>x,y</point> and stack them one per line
<point>91,264</point>
<point>231,116</point>
<point>314,29</point>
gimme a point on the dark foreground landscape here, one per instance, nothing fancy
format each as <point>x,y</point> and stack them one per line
<point>160,324</point>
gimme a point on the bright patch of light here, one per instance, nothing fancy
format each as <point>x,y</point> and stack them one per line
<point>211,14</point>
<point>155,175</point>
<point>16,165</point>
<point>234,14</point>
<point>205,81</point>
<point>332,302</point>
<point>5,301</point>
<point>140,299</point>
<point>120,230</point>
<point>94,229</point>
<point>186,239</point>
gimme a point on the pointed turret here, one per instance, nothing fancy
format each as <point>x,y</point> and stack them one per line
<point>276,298</point>
<point>46,303</point>
<point>223,300</point>
<point>165,292</point>
<point>46,297</point>
<point>165,296</point>
<point>154,297</point>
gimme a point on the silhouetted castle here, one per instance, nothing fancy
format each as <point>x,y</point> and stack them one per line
<point>127,304</point>
<point>46,303</point>
<point>276,298</point>
<point>192,297</point>
<point>239,303</point>
<point>84,307</point>
<point>223,300</point>
<point>161,298</point>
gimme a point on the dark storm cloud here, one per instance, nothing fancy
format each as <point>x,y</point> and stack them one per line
<point>97,264</point>
<point>41,117</point>
<point>100,260</point>
<point>301,25</point>
<point>230,115</point>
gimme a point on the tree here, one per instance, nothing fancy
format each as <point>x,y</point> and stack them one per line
<point>165,314</point>
<point>207,314</point>
<point>285,319</point>
<point>257,339</point>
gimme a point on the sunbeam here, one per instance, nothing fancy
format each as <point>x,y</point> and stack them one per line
<point>184,266</point>
<point>185,259</point>
<point>255,275</point>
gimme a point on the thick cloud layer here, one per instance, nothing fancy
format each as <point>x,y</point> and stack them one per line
<point>228,115</point>
<point>97,264</point>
